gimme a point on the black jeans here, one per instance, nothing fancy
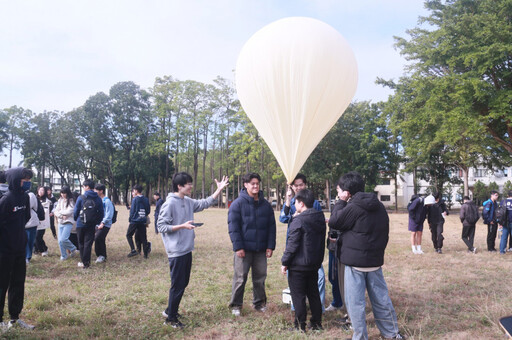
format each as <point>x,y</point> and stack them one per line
<point>468,235</point>
<point>305,284</point>
<point>12,281</point>
<point>85,240</point>
<point>141,239</point>
<point>437,234</point>
<point>99,241</point>
<point>492,230</point>
<point>180,275</point>
<point>40,246</point>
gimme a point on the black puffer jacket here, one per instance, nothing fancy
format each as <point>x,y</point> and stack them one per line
<point>364,224</point>
<point>252,223</point>
<point>306,239</point>
<point>14,214</point>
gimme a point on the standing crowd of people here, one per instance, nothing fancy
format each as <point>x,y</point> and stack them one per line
<point>497,217</point>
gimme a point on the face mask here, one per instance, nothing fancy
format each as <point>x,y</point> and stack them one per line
<point>26,186</point>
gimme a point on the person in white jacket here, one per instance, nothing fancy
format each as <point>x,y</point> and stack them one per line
<point>31,227</point>
<point>64,213</point>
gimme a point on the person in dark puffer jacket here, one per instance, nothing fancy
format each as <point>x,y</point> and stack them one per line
<point>364,226</point>
<point>303,257</point>
<point>252,229</point>
<point>14,214</point>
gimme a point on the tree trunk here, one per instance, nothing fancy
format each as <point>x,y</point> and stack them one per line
<point>465,175</point>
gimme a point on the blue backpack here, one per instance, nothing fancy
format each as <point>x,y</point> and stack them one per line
<point>486,211</point>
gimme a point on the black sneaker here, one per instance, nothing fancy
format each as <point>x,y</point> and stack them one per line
<point>316,326</point>
<point>174,324</point>
<point>133,253</point>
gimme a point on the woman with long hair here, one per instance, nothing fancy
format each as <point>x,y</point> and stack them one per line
<point>64,213</point>
<point>40,246</point>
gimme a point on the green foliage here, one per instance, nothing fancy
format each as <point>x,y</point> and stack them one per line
<point>480,192</point>
<point>506,188</point>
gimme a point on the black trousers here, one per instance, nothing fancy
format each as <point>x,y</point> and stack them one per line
<point>141,238</point>
<point>305,284</point>
<point>180,275</point>
<point>12,281</point>
<point>99,241</point>
<point>85,240</point>
<point>492,230</point>
<point>468,235</point>
<point>437,234</point>
<point>40,245</point>
<point>73,237</point>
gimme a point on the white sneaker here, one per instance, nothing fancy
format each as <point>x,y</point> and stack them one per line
<point>62,258</point>
<point>80,264</point>
<point>44,253</point>
<point>331,308</point>
<point>20,323</point>
<point>235,311</point>
<point>100,259</point>
<point>27,261</point>
<point>509,249</point>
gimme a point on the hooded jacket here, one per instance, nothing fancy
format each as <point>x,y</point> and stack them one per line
<point>435,212</point>
<point>14,214</point>
<point>139,210</point>
<point>78,207</point>
<point>306,239</point>
<point>364,224</point>
<point>417,212</point>
<point>176,211</point>
<point>251,223</point>
<point>465,212</point>
<point>64,212</point>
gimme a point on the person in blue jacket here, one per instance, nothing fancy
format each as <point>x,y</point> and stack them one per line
<point>139,213</point>
<point>252,229</point>
<point>85,229</point>
<point>104,227</point>
<point>287,212</point>
<point>489,216</point>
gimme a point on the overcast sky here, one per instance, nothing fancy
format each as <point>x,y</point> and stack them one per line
<point>55,54</point>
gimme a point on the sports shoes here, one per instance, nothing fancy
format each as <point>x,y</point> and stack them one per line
<point>398,337</point>
<point>100,259</point>
<point>332,308</point>
<point>236,312</point>
<point>133,253</point>
<point>62,258</point>
<point>174,324</point>
<point>44,253</point>
<point>73,253</point>
<point>509,249</point>
<point>261,309</point>
<point>439,250</point>
<point>165,315</point>
<point>473,250</point>
<point>27,261</point>
<point>80,264</point>
<point>20,323</point>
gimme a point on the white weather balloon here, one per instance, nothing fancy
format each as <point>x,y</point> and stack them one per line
<point>294,78</point>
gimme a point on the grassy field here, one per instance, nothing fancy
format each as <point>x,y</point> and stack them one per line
<point>456,295</point>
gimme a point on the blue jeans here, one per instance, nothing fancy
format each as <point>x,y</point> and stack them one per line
<point>64,242</point>
<point>31,240</point>
<point>333,279</point>
<point>504,238</point>
<point>356,282</point>
<point>321,288</point>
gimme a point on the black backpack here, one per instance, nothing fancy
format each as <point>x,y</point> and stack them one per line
<point>472,214</point>
<point>501,214</point>
<point>114,217</point>
<point>90,213</point>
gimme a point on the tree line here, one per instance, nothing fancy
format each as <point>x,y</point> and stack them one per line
<point>450,111</point>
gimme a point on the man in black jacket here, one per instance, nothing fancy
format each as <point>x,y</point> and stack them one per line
<point>469,216</point>
<point>303,257</point>
<point>364,224</point>
<point>14,214</point>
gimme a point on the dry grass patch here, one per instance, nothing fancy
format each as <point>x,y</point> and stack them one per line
<point>455,295</point>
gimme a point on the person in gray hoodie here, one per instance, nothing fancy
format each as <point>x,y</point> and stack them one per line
<point>176,226</point>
